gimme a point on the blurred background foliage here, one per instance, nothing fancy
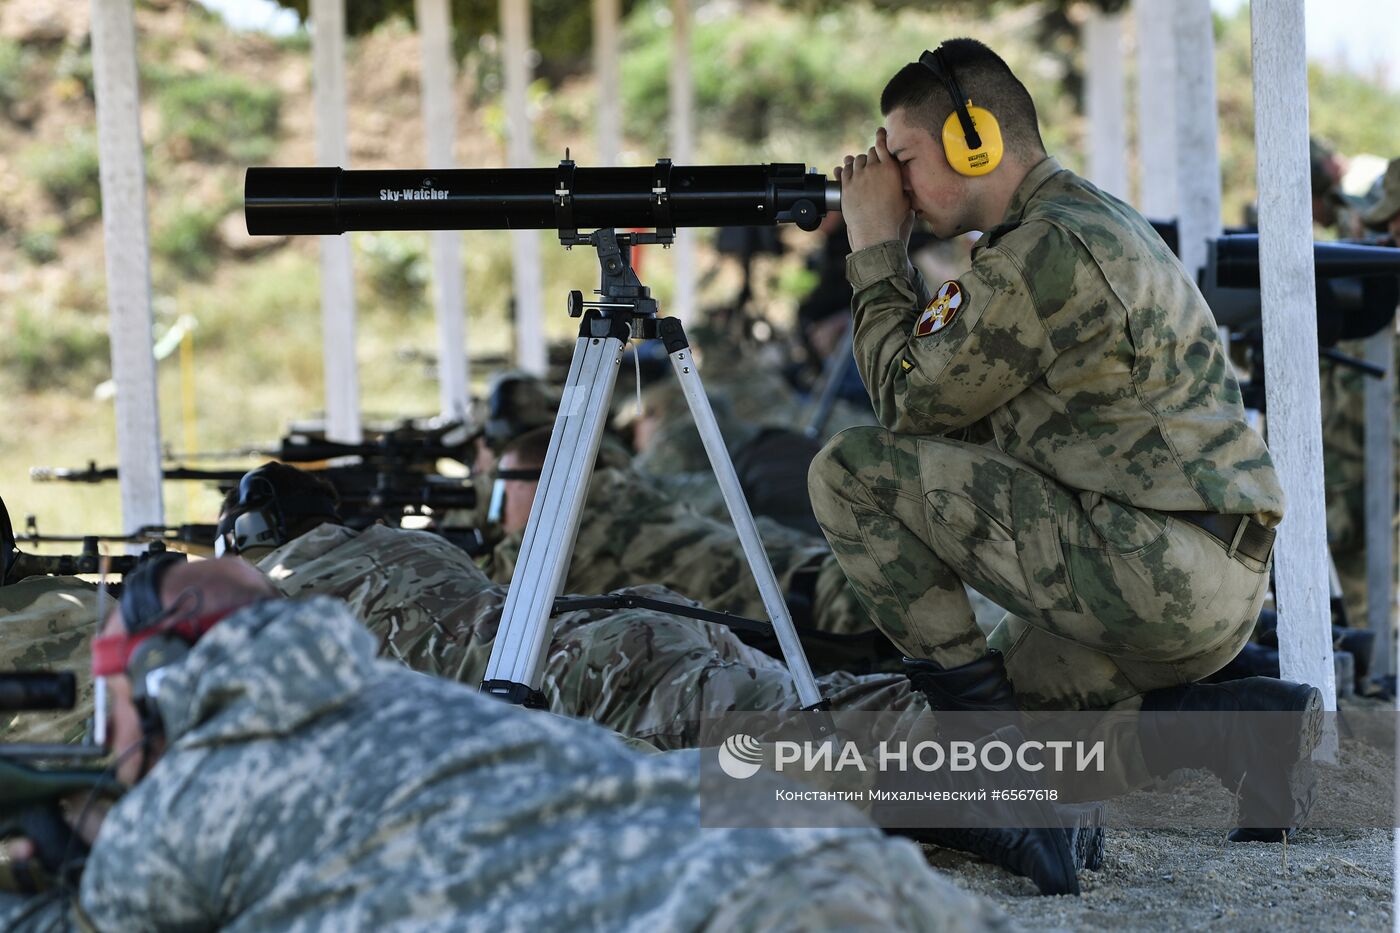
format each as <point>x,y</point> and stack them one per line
<point>784,80</point>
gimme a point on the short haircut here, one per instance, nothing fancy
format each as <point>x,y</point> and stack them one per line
<point>530,448</point>
<point>985,78</point>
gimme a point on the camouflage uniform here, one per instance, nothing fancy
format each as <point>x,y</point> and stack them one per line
<point>45,624</point>
<point>644,674</point>
<point>631,534</point>
<point>309,787</point>
<point>1080,342</point>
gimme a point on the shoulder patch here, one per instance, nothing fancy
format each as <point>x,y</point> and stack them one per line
<point>941,310</point>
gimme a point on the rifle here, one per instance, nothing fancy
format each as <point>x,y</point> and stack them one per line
<point>21,564</point>
<point>30,796</point>
<point>368,493</point>
<point>399,447</point>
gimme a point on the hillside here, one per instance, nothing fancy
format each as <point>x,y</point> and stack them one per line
<point>770,84</point>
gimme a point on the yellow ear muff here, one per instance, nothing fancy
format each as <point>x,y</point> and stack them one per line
<point>967,161</point>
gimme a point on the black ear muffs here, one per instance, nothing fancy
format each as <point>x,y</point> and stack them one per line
<point>142,610</point>
<point>260,517</point>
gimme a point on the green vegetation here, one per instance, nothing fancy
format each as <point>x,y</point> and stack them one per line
<point>53,348</point>
<point>68,174</point>
<point>12,65</point>
<point>220,116</point>
<point>396,266</point>
<point>187,239</point>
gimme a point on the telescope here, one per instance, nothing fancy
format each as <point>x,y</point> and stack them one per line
<point>291,201</point>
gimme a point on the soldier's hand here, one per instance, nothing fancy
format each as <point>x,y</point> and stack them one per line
<point>873,202</point>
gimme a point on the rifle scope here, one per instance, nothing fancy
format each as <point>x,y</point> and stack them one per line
<point>35,690</point>
<point>567,198</point>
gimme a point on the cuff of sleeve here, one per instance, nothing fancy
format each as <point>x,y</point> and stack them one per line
<point>874,263</point>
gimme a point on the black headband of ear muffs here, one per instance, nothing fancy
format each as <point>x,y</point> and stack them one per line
<point>140,601</point>
<point>937,63</point>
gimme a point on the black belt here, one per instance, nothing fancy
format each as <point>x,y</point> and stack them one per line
<point>1240,532</point>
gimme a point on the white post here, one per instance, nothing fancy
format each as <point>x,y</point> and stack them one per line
<point>1106,102</point>
<point>529,311</point>
<point>122,172</point>
<point>1290,342</point>
<point>607,59</point>
<point>1197,131</point>
<point>1156,103</point>
<point>682,153</point>
<point>1380,497</point>
<point>337,273</point>
<point>439,130</point>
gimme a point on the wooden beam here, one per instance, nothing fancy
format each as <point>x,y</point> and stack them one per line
<point>439,131</point>
<point>1290,342</point>
<point>122,173</point>
<point>529,311</point>
<point>337,272</point>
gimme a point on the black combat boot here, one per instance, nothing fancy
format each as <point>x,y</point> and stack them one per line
<point>980,686</point>
<point>1247,761</point>
<point>1066,840</point>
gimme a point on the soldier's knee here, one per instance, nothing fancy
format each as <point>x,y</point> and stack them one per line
<point>842,457</point>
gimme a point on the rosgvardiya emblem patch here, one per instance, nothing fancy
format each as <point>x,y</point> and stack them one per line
<point>941,310</point>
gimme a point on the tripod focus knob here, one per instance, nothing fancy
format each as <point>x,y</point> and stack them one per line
<point>575,303</point>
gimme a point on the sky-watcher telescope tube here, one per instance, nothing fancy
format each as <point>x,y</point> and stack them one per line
<point>291,201</point>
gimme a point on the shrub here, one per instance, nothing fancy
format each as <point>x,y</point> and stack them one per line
<point>220,116</point>
<point>68,173</point>
<point>55,348</point>
<point>188,240</point>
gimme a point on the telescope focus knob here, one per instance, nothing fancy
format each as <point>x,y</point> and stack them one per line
<point>575,303</point>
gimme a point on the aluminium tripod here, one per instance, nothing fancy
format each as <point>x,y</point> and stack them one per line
<point>626,311</point>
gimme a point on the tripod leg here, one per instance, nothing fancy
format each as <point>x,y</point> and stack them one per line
<point>516,667</point>
<point>676,344</point>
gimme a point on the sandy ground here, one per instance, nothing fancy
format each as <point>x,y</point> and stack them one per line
<point>1163,880</point>
<point>1155,879</point>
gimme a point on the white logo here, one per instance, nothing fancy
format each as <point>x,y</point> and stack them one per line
<point>740,756</point>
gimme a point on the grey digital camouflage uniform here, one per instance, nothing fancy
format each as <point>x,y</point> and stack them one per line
<point>309,787</point>
<point>631,534</point>
<point>45,624</point>
<point>1087,354</point>
<point>643,674</point>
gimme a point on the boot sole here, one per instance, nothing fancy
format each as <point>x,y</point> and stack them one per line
<point>1084,824</point>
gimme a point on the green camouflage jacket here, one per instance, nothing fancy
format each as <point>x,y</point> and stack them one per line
<point>1081,342</point>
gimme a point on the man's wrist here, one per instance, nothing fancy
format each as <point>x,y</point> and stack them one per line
<point>865,267</point>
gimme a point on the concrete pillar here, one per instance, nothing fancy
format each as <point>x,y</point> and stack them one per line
<point>607,55</point>
<point>1290,342</point>
<point>337,272</point>
<point>682,153</point>
<point>1197,129</point>
<point>128,259</point>
<point>439,130</point>
<point>530,348</point>
<point>1105,103</point>
<point>1380,498</point>
<point>1156,103</point>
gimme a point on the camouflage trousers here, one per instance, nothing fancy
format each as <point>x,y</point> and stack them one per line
<point>871,884</point>
<point>656,677</point>
<point>1106,601</point>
